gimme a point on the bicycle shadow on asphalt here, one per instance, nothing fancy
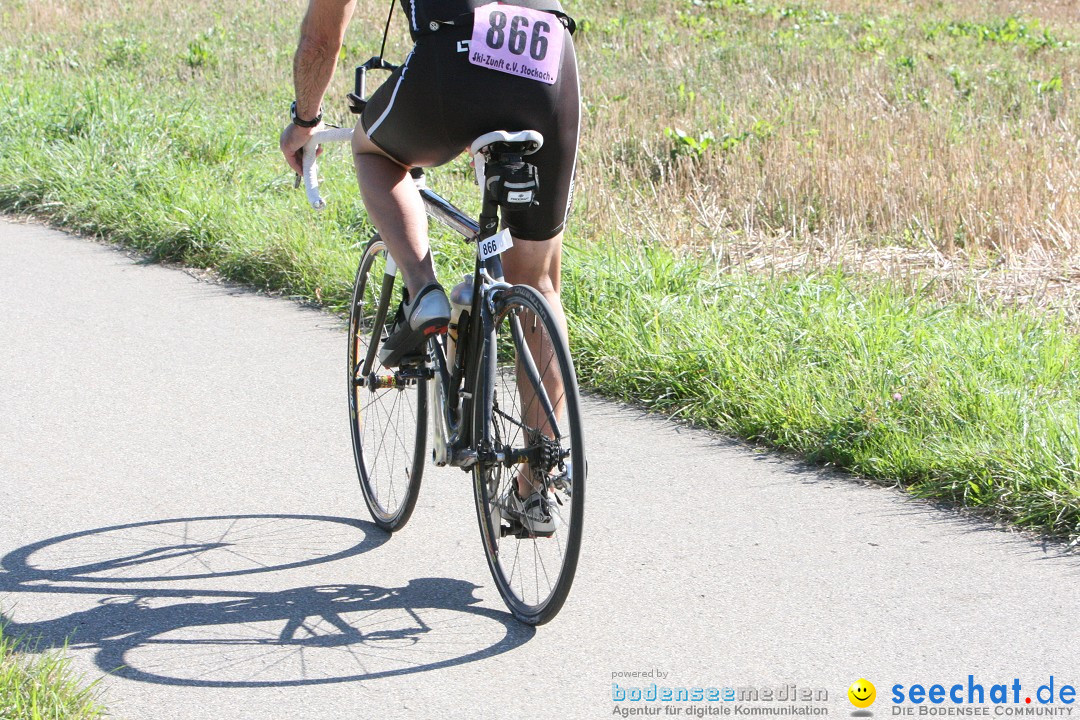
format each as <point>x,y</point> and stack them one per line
<point>190,548</point>
<point>237,638</point>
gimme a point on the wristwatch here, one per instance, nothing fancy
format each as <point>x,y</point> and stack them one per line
<point>304,123</point>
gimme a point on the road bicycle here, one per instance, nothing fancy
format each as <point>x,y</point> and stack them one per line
<point>498,388</point>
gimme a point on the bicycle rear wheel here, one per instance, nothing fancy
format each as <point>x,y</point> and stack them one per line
<point>387,406</point>
<point>527,423</point>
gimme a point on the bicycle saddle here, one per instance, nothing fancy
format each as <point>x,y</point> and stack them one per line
<point>525,142</point>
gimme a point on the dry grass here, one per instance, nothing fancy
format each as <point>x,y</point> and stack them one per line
<point>850,139</point>
<point>1061,12</point>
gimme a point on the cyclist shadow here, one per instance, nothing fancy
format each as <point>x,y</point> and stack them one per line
<point>237,638</point>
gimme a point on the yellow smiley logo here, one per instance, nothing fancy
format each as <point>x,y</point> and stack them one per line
<point>862,693</point>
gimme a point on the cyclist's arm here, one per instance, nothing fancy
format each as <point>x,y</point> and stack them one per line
<point>321,35</point>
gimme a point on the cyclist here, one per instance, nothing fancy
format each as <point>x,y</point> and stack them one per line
<point>441,98</point>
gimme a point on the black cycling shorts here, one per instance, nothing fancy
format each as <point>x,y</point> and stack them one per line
<point>437,103</point>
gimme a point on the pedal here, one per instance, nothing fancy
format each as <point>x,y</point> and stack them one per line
<point>417,371</point>
<point>412,361</point>
<point>521,533</point>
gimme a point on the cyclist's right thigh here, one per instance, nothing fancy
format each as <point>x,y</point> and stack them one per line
<point>536,263</point>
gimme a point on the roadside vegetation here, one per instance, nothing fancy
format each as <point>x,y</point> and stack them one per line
<point>42,687</point>
<point>896,138</point>
<point>845,228</point>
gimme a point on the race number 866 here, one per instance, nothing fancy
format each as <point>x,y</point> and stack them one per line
<point>517,37</point>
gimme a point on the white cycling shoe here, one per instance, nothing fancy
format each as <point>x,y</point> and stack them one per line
<point>426,314</point>
<point>533,513</point>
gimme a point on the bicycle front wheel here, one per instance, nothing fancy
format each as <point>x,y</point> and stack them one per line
<point>387,406</point>
<point>527,424</point>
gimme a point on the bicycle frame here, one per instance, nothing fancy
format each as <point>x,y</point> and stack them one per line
<point>454,444</point>
<point>450,386</point>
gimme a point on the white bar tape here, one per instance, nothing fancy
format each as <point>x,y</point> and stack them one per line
<point>311,177</point>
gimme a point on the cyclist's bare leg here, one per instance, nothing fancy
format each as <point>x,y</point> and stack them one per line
<point>394,205</point>
<point>539,264</point>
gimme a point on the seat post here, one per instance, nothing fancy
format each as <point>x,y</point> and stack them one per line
<point>489,225</point>
<point>493,153</point>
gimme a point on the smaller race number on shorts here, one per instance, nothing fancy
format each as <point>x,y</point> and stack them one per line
<point>516,40</point>
<point>497,244</point>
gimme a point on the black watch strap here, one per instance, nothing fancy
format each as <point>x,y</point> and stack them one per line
<point>297,120</point>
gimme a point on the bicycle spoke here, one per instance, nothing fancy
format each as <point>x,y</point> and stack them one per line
<point>533,414</point>
<point>389,424</point>
<point>500,413</point>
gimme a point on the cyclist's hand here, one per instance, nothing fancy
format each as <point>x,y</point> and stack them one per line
<point>293,139</point>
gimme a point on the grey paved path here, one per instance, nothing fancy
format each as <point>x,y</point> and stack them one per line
<point>178,496</point>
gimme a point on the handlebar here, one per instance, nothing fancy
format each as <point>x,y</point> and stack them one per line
<point>356,104</point>
<point>311,177</point>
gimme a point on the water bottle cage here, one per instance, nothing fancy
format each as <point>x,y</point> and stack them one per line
<point>513,184</point>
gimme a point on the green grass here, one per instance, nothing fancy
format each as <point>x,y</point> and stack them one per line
<point>168,144</point>
<point>957,402</point>
<point>42,686</point>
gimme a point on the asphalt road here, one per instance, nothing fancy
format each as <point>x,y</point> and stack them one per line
<point>179,504</point>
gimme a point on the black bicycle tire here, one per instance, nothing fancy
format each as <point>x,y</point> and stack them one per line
<point>540,612</point>
<point>395,520</point>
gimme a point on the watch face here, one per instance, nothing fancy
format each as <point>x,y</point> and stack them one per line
<point>300,121</point>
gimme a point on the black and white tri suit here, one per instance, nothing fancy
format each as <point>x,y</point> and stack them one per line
<point>437,103</point>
